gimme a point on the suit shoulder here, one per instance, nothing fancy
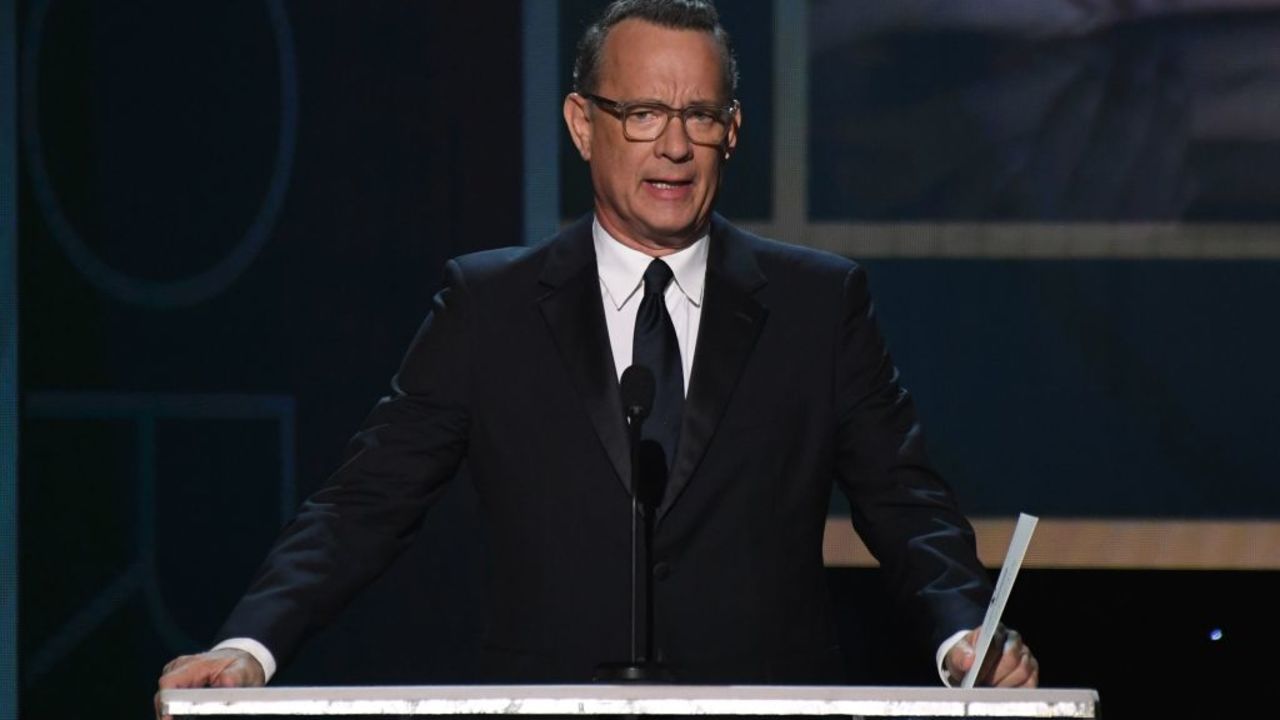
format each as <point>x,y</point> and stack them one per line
<point>497,274</point>
<point>484,264</point>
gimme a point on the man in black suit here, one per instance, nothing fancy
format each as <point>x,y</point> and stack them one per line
<point>773,384</point>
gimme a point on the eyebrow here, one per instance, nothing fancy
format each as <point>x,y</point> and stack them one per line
<point>694,103</point>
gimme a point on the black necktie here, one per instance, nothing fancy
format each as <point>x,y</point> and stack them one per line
<point>655,347</point>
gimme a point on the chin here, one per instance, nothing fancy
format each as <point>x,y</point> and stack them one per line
<point>671,224</point>
<point>673,234</point>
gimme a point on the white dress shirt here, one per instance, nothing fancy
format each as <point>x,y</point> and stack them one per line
<point>622,287</point>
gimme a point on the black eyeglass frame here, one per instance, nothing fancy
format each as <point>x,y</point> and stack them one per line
<point>620,110</point>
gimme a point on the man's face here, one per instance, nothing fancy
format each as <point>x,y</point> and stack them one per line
<point>654,196</point>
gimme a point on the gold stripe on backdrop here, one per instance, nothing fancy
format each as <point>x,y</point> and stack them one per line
<point>1066,543</point>
<point>1033,241</point>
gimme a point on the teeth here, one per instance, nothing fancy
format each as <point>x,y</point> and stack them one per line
<point>664,185</point>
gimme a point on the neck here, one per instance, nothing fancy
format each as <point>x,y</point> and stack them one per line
<point>648,246</point>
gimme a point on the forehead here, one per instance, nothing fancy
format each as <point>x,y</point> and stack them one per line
<point>643,60</point>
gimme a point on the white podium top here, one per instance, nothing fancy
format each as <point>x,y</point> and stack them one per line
<point>869,702</point>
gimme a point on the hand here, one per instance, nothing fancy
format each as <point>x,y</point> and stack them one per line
<point>1017,667</point>
<point>227,667</point>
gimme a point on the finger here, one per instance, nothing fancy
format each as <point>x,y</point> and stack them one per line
<point>240,672</point>
<point>1010,660</point>
<point>176,663</point>
<point>1012,638</point>
<point>232,675</point>
<point>160,716</point>
<point>1010,656</point>
<point>182,677</point>
<point>194,673</point>
<point>167,681</point>
<point>1022,670</point>
<point>197,671</point>
<point>189,674</point>
<point>959,659</point>
<point>1029,667</point>
<point>1033,674</point>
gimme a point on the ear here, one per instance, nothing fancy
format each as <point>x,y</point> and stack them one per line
<point>579,123</point>
<point>735,124</point>
<point>734,127</point>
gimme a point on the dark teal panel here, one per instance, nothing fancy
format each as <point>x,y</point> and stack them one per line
<point>992,112</point>
<point>8,361</point>
<point>161,129</point>
<point>1093,388</point>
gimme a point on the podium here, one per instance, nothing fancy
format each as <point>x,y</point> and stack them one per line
<point>587,700</point>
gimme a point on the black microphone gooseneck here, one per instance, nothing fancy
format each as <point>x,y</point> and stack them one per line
<point>637,389</point>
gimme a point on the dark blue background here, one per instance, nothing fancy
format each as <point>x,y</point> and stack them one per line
<point>1097,388</point>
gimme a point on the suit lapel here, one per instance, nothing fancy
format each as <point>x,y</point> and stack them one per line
<point>731,321</point>
<point>574,314</point>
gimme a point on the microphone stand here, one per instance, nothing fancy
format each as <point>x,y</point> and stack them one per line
<point>641,668</point>
<point>639,540</point>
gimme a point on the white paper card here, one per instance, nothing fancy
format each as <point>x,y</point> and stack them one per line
<point>1004,585</point>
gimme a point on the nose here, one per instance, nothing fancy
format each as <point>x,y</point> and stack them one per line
<point>673,143</point>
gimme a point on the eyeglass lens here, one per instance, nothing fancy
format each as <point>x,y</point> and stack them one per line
<point>702,125</point>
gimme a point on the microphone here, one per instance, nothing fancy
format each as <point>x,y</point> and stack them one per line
<point>648,469</point>
<point>637,388</point>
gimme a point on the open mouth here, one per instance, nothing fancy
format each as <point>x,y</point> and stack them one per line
<point>669,184</point>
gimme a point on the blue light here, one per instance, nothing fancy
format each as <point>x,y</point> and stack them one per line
<point>1215,634</point>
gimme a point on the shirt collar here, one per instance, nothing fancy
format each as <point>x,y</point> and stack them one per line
<point>622,268</point>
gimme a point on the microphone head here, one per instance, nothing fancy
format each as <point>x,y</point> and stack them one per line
<point>637,388</point>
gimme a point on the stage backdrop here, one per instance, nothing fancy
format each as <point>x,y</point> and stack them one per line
<point>233,216</point>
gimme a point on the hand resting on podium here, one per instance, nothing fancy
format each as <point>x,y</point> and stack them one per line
<point>224,667</point>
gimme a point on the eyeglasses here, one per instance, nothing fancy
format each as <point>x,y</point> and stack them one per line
<point>646,121</point>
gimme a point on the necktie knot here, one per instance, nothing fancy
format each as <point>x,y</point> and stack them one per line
<point>656,277</point>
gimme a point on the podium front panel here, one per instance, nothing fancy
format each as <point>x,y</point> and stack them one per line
<point>588,700</point>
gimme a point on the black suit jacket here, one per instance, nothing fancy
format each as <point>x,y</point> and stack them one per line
<point>792,390</point>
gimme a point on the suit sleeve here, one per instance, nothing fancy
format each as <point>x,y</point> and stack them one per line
<point>351,529</point>
<point>901,508</point>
